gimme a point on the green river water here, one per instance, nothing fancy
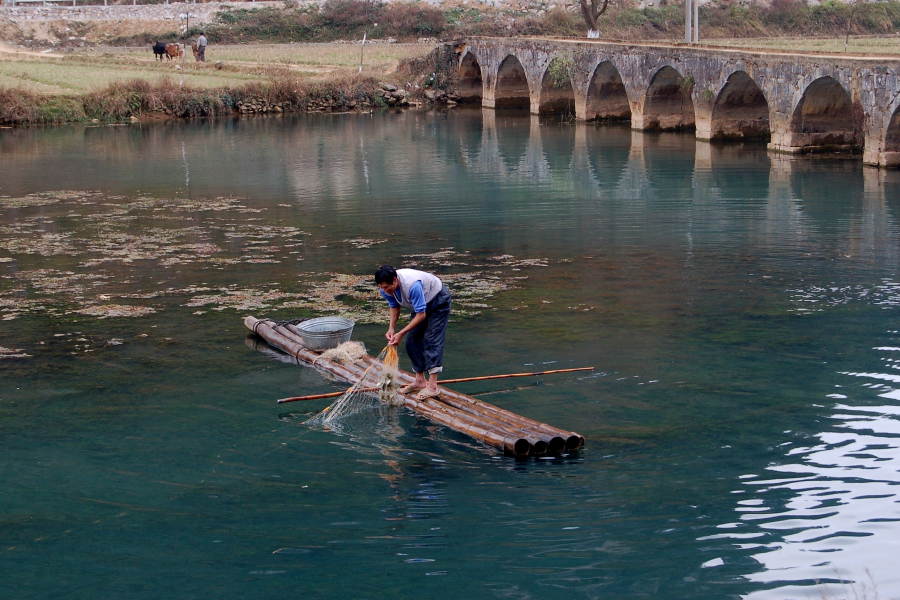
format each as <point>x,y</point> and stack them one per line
<point>739,307</point>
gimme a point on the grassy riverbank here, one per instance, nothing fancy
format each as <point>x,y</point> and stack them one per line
<point>142,99</point>
<point>255,80</point>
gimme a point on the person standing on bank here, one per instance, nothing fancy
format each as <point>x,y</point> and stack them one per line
<point>430,302</point>
<point>201,47</point>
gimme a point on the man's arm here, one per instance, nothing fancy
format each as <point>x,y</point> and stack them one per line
<point>417,298</point>
<point>413,323</point>
<point>395,314</point>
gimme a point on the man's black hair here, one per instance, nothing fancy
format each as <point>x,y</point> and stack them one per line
<point>385,274</point>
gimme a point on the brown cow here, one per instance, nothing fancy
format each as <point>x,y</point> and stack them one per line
<point>174,51</point>
<point>194,48</point>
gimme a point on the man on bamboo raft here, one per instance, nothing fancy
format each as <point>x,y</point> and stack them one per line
<point>429,300</point>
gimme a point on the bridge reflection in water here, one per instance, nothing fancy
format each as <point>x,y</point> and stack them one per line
<point>631,169</point>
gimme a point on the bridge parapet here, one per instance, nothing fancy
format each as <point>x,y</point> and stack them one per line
<point>798,102</point>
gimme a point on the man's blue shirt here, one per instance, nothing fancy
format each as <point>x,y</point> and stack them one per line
<point>416,296</point>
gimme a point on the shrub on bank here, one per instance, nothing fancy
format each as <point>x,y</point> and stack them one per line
<point>336,20</point>
<point>19,107</point>
<point>349,19</point>
<point>123,100</point>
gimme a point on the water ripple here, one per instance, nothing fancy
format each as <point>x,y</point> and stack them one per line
<point>823,501</point>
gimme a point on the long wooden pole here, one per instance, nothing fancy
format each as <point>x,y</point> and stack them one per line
<point>463,379</point>
<point>446,381</point>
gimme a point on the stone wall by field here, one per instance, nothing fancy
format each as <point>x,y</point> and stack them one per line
<point>201,12</point>
<point>125,9</point>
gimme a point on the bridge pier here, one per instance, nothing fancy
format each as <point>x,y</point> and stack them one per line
<point>704,124</point>
<point>882,146</point>
<point>780,128</point>
<point>637,116</point>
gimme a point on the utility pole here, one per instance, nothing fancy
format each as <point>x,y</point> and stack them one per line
<point>187,22</point>
<point>687,21</point>
<point>696,4</point>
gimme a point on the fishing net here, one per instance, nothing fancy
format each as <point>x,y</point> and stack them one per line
<point>376,387</point>
<point>346,353</point>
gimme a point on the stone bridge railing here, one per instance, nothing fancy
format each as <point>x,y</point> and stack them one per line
<point>799,102</point>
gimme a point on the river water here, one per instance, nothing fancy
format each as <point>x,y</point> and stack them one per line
<point>739,307</point>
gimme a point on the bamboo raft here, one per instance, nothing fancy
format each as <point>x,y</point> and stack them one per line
<point>512,433</point>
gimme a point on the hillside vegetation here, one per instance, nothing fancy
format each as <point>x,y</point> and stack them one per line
<point>349,19</point>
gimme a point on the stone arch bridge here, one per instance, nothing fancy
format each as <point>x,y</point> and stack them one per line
<point>798,102</point>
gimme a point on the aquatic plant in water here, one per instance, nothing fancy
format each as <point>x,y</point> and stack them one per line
<point>84,252</point>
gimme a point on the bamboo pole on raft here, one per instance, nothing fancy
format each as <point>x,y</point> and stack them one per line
<point>573,440</point>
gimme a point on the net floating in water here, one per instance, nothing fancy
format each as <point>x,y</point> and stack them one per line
<point>492,425</point>
<point>381,376</point>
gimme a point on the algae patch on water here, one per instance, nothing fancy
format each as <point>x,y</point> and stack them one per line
<point>115,310</point>
<point>71,252</point>
<point>6,353</point>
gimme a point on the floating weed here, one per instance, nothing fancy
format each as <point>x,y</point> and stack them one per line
<point>361,243</point>
<point>239,299</point>
<point>108,243</point>
<point>446,257</point>
<point>13,307</point>
<point>41,199</point>
<point>44,244</point>
<point>104,311</point>
<point>10,353</point>
<point>508,260</point>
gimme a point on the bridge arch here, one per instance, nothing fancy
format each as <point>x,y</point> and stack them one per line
<point>557,94</point>
<point>607,99</point>
<point>741,110</point>
<point>471,83</point>
<point>823,118</point>
<point>668,105</point>
<point>511,89</point>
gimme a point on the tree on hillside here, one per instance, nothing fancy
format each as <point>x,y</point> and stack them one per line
<point>591,11</point>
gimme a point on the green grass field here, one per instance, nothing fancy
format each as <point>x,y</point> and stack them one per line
<point>376,57</point>
<point>66,76</point>
<point>881,46</point>
<point>91,69</point>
